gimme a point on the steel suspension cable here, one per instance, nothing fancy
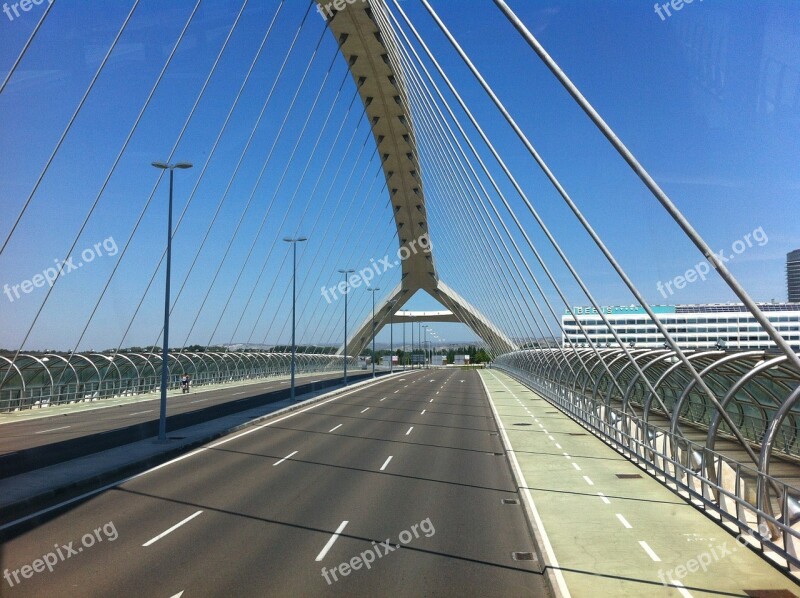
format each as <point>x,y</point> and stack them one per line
<point>67,129</point>
<point>124,250</point>
<point>211,154</point>
<point>14,66</point>
<point>679,353</point>
<point>656,190</point>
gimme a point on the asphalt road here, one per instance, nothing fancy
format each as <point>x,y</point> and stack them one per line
<point>414,460</point>
<point>41,431</point>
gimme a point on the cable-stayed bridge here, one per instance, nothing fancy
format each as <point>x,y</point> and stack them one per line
<point>311,153</point>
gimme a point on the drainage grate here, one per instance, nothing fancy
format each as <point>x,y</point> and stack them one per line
<point>577,433</point>
<point>523,556</point>
<point>628,476</point>
<point>523,424</point>
<point>510,501</point>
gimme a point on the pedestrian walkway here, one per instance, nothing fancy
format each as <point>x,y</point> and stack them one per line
<point>606,527</point>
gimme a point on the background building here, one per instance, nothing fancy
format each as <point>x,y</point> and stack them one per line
<point>793,275</point>
<point>692,326</point>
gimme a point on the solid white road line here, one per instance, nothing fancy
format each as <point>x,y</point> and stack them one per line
<point>170,530</point>
<point>681,588</point>
<point>52,430</point>
<point>624,521</point>
<point>365,410</point>
<point>284,459</point>
<point>649,551</point>
<point>588,480</point>
<point>409,430</point>
<point>385,463</point>
<point>335,428</point>
<point>603,498</point>
<point>327,547</point>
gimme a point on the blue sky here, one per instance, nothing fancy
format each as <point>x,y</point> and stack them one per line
<point>708,99</point>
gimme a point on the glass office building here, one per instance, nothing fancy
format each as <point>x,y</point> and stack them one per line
<point>727,325</point>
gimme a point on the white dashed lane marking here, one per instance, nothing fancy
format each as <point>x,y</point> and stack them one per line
<point>649,551</point>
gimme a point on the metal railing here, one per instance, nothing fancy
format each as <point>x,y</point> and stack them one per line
<point>40,396</point>
<point>760,509</point>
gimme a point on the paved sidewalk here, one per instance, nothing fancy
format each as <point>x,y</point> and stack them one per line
<point>613,536</point>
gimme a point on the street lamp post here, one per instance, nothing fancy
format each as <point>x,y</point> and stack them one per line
<point>373,291</point>
<point>412,344</point>
<point>294,241</point>
<point>162,419</point>
<point>419,340</point>
<point>391,335</point>
<point>346,273</point>
<point>425,345</point>
<point>404,345</point>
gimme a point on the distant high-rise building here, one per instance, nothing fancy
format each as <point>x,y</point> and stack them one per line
<point>793,275</point>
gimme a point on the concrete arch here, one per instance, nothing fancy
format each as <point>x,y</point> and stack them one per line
<point>367,47</point>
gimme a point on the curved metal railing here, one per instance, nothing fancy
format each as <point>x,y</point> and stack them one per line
<point>33,381</point>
